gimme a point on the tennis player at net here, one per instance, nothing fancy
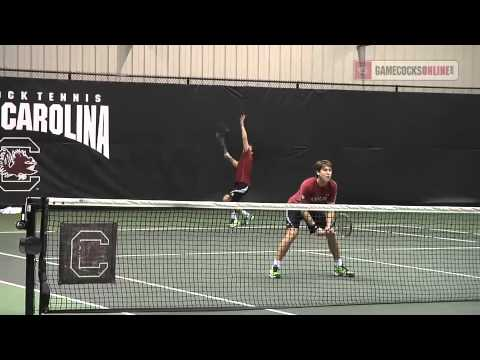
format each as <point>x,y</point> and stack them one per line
<point>243,174</point>
<point>320,189</point>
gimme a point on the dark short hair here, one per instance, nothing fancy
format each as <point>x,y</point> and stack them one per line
<point>321,163</point>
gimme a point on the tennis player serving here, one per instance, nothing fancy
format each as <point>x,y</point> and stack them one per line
<point>320,189</point>
<point>243,174</point>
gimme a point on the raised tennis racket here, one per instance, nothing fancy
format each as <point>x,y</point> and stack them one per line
<point>221,135</point>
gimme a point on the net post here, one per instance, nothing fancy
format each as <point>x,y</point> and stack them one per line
<point>30,261</point>
<point>30,246</point>
<point>30,285</point>
<point>42,266</point>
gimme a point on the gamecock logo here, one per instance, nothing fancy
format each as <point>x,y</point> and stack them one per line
<point>17,164</point>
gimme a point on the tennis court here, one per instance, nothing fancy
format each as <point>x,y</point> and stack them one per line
<point>206,265</point>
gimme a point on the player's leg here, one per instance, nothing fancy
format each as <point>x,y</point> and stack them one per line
<point>339,268</point>
<point>238,193</point>
<point>293,223</point>
<point>233,215</point>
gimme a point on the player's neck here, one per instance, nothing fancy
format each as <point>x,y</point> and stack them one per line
<point>321,182</point>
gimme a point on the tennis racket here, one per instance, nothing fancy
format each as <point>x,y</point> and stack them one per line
<point>221,135</point>
<point>343,225</point>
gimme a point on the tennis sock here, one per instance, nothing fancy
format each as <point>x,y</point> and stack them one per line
<point>277,263</point>
<point>339,262</point>
<point>245,213</point>
<point>233,215</point>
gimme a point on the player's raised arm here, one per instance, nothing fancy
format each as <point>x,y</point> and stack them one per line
<point>246,145</point>
<point>231,159</point>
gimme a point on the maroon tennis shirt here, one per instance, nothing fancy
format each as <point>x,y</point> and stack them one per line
<point>310,192</point>
<point>243,173</point>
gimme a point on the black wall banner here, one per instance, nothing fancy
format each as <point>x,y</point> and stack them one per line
<point>156,141</point>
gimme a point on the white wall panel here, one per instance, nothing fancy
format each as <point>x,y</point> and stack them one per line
<point>466,76</point>
<point>448,54</point>
<point>409,53</point>
<point>219,64</point>
<point>51,58</point>
<point>476,67</point>
<point>349,57</point>
<point>285,63</point>
<point>241,62</point>
<point>274,61</point>
<point>150,60</point>
<point>112,59</point>
<point>76,58</point>
<point>38,58</point>
<point>63,53</point>
<point>101,59</point>
<point>338,58</point>
<point>311,63</point>
<point>2,56</point>
<point>263,62</point>
<point>174,60</point>
<point>231,62</point>
<point>219,61</point>
<point>306,62</point>
<point>296,62</point>
<point>138,60</point>
<point>208,62</point>
<point>25,57</point>
<point>328,62</point>
<point>196,61</point>
<point>252,62</point>
<point>185,60</point>
<point>89,59</point>
<point>11,56</point>
<point>162,60</point>
<point>127,68</point>
<point>317,63</point>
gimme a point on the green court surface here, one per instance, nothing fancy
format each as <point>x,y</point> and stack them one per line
<point>12,300</point>
<point>7,222</point>
<point>148,272</point>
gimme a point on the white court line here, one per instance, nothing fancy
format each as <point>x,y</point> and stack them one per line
<point>420,227</point>
<point>12,284</point>
<point>62,297</point>
<point>417,235</point>
<point>392,225</point>
<point>280,312</point>
<point>183,228</point>
<point>456,232</point>
<point>451,231</point>
<point>427,248</point>
<point>13,255</point>
<point>282,227</point>
<point>292,250</point>
<point>165,287</point>
<point>203,253</point>
<point>176,229</point>
<point>195,293</point>
<point>219,253</point>
<point>404,266</point>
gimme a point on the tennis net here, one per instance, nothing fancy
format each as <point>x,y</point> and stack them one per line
<point>133,255</point>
